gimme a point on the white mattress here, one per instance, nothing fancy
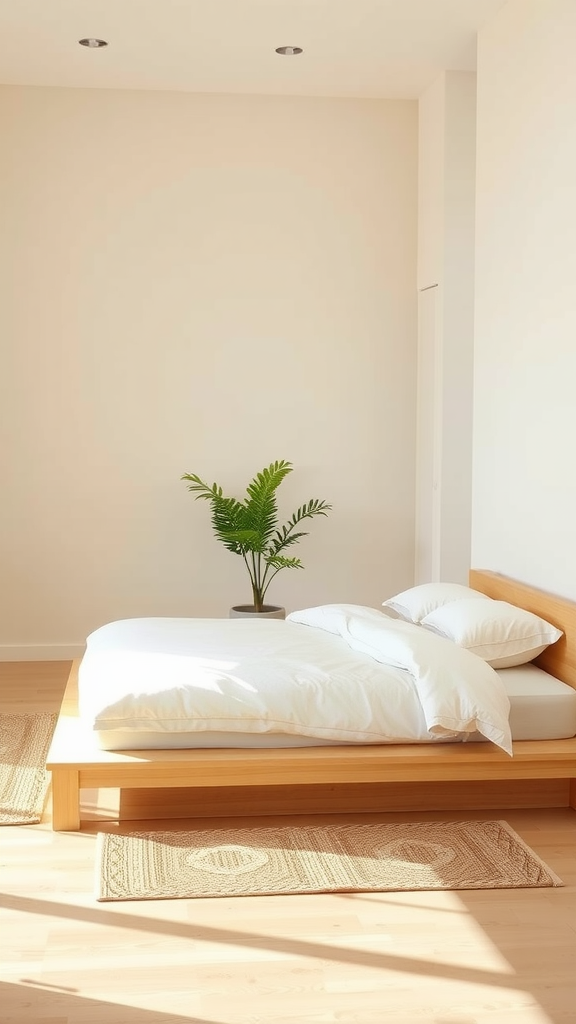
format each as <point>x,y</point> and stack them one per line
<point>541,708</point>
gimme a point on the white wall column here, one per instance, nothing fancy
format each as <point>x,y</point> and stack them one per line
<point>446,199</point>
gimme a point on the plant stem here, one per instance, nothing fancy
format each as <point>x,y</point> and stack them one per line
<point>256,581</point>
<point>257,599</point>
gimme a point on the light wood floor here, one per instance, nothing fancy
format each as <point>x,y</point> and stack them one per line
<point>479,957</point>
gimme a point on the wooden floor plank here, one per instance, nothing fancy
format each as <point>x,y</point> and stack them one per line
<point>479,957</point>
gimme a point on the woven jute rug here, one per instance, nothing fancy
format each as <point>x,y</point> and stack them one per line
<point>24,743</point>
<point>316,858</point>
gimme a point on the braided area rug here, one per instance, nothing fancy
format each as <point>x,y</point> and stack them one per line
<point>24,744</point>
<point>316,858</point>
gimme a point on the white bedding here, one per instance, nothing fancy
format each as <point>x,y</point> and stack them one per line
<point>541,708</point>
<point>357,676</point>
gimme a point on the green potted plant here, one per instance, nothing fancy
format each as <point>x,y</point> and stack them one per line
<point>250,528</point>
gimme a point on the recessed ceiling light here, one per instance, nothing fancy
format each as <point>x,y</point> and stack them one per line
<point>93,43</point>
<point>289,51</point>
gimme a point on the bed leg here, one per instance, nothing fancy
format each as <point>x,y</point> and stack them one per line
<point>572,797</point>
<point>65,800</point>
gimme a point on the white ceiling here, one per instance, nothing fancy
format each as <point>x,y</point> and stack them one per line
<point>373,48</point>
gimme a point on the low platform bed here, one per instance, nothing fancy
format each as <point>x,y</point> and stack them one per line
<point>77,763</point>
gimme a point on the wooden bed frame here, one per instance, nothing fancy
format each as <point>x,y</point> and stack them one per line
<point>76,763</point>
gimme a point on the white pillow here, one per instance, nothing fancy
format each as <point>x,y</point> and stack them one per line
<point>500,633</point>
<point>332,617</point>
<point>417,602</point>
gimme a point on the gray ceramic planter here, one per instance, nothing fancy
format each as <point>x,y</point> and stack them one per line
<point>246,611</point>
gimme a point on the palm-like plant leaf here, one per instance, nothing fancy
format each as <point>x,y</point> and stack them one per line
<point>285,536</point>
<point>261,508</point>
<point>226,513</point>
<point>279,562</point>
<point>283,539</point>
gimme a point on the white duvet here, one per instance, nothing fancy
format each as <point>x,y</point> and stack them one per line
<point>338,672</point>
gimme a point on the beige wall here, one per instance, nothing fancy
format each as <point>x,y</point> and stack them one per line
<point>524,499</point>
<point>204,284</point>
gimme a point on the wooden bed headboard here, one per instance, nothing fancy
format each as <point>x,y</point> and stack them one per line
<point>560,658</point>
